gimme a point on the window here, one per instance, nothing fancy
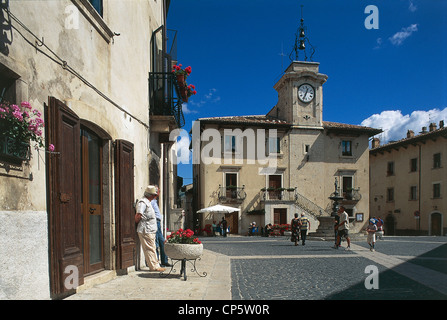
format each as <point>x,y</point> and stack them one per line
<point>231,185</point>
<point>346,148</point>
<point>437,160</point>
<point>97,4</point>
<point>390,168</point>
<point>436,190</point>
<point>413,193</point>
<point>347,187</point>
<point>306,148</point>
<point>230,144</point>
<point>390,195</point>
<point>274,145</point>
<point>413,165</point>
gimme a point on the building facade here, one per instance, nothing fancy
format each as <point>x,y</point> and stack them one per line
<point>408,183</point>
<point>285,162</point>
<point>88,67</point>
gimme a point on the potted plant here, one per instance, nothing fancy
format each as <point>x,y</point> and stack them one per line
<point>182,244</point>
<point>19,125</point>
<point>181,74</point>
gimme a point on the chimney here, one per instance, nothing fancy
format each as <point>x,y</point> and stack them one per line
<point>441,124</point>
<point>432,126</point>
<point>375,143</point>
<point>424,130</point>
<point>410,134</point>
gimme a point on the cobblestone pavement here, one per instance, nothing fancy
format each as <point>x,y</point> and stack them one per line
<point>247,268</point>
<point>274,269</point>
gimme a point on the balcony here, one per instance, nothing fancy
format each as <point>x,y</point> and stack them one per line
<point>164,98</point>
<point>231,194</point>
<point>279,194</point>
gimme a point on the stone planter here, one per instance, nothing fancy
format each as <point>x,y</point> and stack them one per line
<point>180,251</point>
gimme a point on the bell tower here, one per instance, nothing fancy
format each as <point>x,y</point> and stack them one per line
<point>300,89</point>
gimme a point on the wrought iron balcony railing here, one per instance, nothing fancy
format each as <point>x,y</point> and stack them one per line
<point>231,194</point>
<point>164,96</point>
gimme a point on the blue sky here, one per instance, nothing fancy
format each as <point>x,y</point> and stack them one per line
<point>393,77</point>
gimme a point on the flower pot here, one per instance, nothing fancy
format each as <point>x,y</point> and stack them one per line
<point>180,251</point>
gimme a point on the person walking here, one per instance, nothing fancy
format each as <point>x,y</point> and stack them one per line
<point>295,225</point>
<point>159,240</point>
<point>371,239</point>
<point>147,228</point>
<point>343,228</point>
<point>305,225</point>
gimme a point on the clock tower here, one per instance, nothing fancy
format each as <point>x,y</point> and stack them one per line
<point>300,95</point>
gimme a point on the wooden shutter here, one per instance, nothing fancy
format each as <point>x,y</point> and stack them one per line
<point>124,200</point>
<point>64,197</point>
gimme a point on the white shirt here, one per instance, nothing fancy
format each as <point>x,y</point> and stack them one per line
<point>148,222</point>
<point>344,217</point>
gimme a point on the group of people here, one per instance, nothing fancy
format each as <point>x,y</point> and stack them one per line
<point>299,228</point>
<point>220,228</point>
<point>149,230</point>
<point>341,229</point>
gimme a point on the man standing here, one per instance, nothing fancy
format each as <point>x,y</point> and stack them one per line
<point>223,225</point>
<point>159,240</point>
<point>305,224</point>
<point>343,228</point>
<point>147,228</point>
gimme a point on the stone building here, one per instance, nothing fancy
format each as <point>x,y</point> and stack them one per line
<point>274,165</point>
<point>407,184</point>
<point>94,70</point>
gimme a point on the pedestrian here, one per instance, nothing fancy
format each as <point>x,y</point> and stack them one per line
<point>223,225</point>
<point>305,224</point>
<point>159,240</point>
<point>379,233</point>
<point>371,229</point>
<point>295,225</point>
<point>343,228</point>
<point>336,223</point>
<point>147,228</point>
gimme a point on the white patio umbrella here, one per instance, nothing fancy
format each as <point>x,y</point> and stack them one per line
<point>218,208</point>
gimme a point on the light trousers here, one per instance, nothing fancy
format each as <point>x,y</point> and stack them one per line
<point>147,241</point>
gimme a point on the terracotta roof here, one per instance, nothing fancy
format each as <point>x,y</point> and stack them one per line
<point>263,120</point>
<point>441,132</point>
<point>343,127</point>
<point>260,120</point>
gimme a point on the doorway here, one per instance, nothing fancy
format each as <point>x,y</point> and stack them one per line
<point>91,201</point>
<point>279,216</point>
<point>436,224</point>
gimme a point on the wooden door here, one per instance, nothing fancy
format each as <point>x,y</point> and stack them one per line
<point>91,201</point>
<point>280,216</point>
<point>275,182</point>
<point>232,222</point>
<point>124,201</point>
<point>64,203</point>
<point>436,224</point>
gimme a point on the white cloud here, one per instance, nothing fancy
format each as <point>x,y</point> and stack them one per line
<point>412,7</point>
<point>210,97</point>
<point>186,110</point>
<point>399,37</point>
<point>395,124</point>
<point>378,43</point>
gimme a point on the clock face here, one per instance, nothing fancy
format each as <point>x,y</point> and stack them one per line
<point>306,92</point>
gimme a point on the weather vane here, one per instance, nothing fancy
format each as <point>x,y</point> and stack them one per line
<point>300,43</point>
